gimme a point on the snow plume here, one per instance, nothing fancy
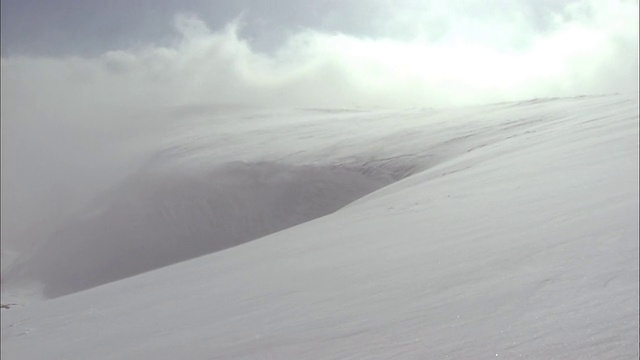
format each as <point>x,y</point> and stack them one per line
<point>65,119</point>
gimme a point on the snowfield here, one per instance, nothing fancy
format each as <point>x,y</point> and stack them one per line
<point>500,231</point>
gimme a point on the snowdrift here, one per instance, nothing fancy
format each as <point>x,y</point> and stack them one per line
<point>507,230</point>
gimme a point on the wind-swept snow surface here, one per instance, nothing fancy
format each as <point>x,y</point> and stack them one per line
<point>508,230</point>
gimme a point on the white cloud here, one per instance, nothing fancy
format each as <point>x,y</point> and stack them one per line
<point>321,69</point>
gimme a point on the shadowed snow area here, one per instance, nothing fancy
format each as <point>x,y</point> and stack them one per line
<point>507,230</point>
<point>157,218</point>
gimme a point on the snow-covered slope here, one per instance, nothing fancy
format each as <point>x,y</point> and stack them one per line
<point>506,230</point>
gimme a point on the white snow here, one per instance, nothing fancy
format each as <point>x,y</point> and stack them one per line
<point>507,230</point>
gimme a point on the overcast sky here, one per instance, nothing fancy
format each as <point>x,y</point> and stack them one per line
<point>320,52</point>
<point>45,27</point>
